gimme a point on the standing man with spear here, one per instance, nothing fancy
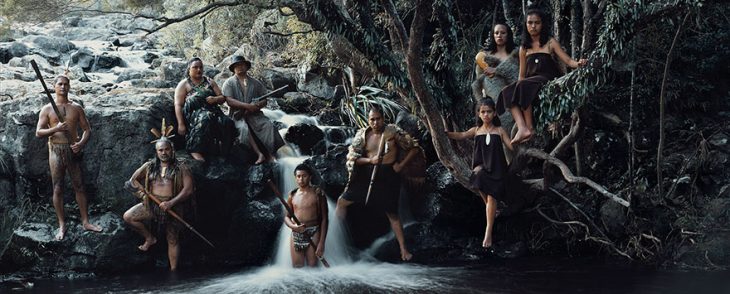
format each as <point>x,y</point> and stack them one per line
<point>377,154</point>
<point>163,184</point>
<point>60,120</point>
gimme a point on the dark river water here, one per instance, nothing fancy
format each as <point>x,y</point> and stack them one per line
<point>525,275</point>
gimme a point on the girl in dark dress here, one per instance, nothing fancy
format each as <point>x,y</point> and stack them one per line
<point>537,67</point>
<point>489,164</point>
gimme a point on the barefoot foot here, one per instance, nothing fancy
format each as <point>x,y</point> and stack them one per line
<point>405,255</point>
<point>261,159</point>
<point>521,136</point>
<point>60,233</point>
<point>147,244</point>
<point>487,242</point>
<point>92,227</point>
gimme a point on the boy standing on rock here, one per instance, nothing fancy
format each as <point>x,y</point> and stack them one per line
<point>309,205</point>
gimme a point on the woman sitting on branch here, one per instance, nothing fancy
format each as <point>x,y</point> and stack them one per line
<point>537,67</point>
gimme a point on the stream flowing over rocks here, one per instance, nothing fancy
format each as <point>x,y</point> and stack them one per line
<point>125,84</point>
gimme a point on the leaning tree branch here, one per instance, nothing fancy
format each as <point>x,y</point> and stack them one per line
<point>660,147</point>
<point>570,178</point>
<point>288,34</point>
<point>587,234</point>
<point>450,159</point>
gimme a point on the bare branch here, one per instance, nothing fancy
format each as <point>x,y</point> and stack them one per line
<point>568,175</point>
<point>288,34</point>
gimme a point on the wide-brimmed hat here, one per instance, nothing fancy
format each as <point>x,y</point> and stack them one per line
<point>238,59</point>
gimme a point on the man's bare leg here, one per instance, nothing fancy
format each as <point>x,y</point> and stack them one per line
<point>75,174</point>
<point>173,247</point>
<point>134,217</point>
<point>58,172</point>
<point>397,228</point>
<point>58,207</point>
<point>261,157</point>
<point>341,209</point>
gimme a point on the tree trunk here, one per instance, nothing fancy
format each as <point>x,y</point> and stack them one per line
<point>456,164</point>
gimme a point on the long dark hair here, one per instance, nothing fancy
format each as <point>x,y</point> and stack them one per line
<point>509,45</point>
<point>190,63</point>
<point>489,103</point>
<point>544,32</point>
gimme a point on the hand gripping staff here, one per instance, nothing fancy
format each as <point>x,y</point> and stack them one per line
<point>294,218</point>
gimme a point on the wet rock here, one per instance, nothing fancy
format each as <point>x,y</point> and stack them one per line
<point>18,49</point>
<point>5,55</point>
<point>33,248</point>
<point>305,136</point>
<point>336,135</point>
<point>297,102</point>
<point>48,46</point>
<point>24,61</point>
<point>332,169</point>
<point>108,61</point>
<point>339,93</point>
<point>276,77</point>
<point>316,86</point>
<point>330,117</point>
<point>134,74</point>
<point>149,57</point>
<point>172,70</point>
<point>83,58</point>
<point>613,216</point>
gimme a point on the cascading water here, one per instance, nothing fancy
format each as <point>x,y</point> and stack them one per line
<point>344,275</point>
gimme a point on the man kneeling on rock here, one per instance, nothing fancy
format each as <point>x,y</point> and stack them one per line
<point>172,183</point>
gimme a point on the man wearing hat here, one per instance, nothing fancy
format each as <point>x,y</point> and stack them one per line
<point>240,90</point>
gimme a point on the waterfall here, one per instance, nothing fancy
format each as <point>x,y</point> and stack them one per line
<point>288,157</point>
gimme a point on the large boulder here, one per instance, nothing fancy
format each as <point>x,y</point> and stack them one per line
<point>316,86</point>
<point>83,58</point>
<point>107,61</point>
<point>276,77</point>
<point>50,47</point>
<point>305,136</point>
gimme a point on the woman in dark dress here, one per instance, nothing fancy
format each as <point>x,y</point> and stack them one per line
<point>206,128</point>
<point>537,67</point>
<point>489,164</point>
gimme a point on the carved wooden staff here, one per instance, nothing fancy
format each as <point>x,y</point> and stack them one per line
<point>173,214</point>
<point>290,210</point>
<point>381,146</point>
<point>61,117</point>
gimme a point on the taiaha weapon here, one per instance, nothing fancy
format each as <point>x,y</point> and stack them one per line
<point>61,117</point>
<point>270,93</point>
<point>173,214</point>
<point>295,219</point>
<point>381,146</point>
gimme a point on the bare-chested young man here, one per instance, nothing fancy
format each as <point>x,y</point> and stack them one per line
<point>64,147</point>
<point>363,156</point>
<point>172,183</point>
<point>309,204</point>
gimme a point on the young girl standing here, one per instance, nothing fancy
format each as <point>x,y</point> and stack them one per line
<point>489,164</point>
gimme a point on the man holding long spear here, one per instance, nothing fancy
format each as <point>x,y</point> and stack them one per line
<point>169,181</point>
<point>377,154</point>
<point>59,121</point>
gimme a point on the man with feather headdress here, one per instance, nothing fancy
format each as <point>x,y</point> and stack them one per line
<point>170,180</point>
